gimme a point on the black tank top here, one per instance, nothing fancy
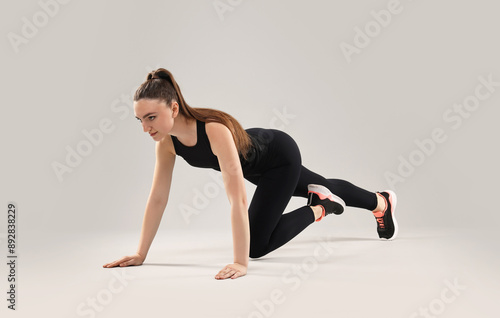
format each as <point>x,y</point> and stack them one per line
<point>201,155</point>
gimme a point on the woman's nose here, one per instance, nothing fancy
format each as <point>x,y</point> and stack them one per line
<point>145,127</point>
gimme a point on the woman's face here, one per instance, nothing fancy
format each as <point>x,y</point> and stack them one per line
<point>156,117</point>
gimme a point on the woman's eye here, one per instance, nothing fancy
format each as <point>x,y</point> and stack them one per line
<point>151,117</point>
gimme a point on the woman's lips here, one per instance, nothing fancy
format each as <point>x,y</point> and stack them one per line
<point>153,134</point>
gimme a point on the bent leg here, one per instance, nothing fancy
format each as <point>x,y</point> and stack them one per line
<point>269,227</point>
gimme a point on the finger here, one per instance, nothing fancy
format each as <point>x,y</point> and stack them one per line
<point>130,263</point>
<point>110,264</point>
<point>219,276</point>
<point>236,275</point>
<point>115,263</point>
<point>229,274</point>
<point>223,274</point>
<point>224,271</point>
<point>126,263</point>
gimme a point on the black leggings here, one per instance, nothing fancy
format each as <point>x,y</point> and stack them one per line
<point>285,177</point>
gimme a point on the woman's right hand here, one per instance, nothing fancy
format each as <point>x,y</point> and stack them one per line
<point>135,259</point>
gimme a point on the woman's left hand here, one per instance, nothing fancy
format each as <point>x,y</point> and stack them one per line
<point>232,271</point>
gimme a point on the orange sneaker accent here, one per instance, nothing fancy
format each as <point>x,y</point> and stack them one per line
<point>381,223</point>
<point>322,213</point>
<point>379,215</point>
<point>387,231</point>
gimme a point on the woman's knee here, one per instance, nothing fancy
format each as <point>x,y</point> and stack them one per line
<point>257,250</point>
<point>257,254</point>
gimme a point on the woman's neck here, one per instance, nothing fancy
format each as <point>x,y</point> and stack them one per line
<point>185,130</point>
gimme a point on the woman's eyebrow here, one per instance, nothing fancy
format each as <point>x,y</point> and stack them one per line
<point>145,115</point>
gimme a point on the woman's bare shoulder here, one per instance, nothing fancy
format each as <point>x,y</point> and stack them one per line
<point>166,144</point>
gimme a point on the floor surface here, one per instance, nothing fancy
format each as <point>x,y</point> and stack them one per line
<point>438,273</point>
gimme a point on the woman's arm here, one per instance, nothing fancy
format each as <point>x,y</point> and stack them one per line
<point>155,206</point>
<point>158,196</point>
<point>224,147</point>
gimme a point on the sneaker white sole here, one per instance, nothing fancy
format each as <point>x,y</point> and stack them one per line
<point>323,192</point>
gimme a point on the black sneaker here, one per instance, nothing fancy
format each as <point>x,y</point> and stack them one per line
<point>320,195</point>
<point>387,226</point>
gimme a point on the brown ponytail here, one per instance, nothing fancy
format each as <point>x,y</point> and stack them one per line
<point>160,84</point>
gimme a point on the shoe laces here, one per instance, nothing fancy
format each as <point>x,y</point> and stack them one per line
<point>379,215</point>
<point>380,222</point>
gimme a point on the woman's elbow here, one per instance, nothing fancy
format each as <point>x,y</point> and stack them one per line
<point>239,202</point>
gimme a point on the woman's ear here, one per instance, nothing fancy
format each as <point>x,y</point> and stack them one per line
<point>175,109</point>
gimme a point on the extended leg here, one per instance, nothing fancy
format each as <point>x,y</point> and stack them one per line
<point>382,204</point>
<point>352,195</point>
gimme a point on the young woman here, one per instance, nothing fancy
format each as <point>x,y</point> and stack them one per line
<point>268,158</point>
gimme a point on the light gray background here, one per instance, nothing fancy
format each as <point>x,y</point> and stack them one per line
<point>262,59</point>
